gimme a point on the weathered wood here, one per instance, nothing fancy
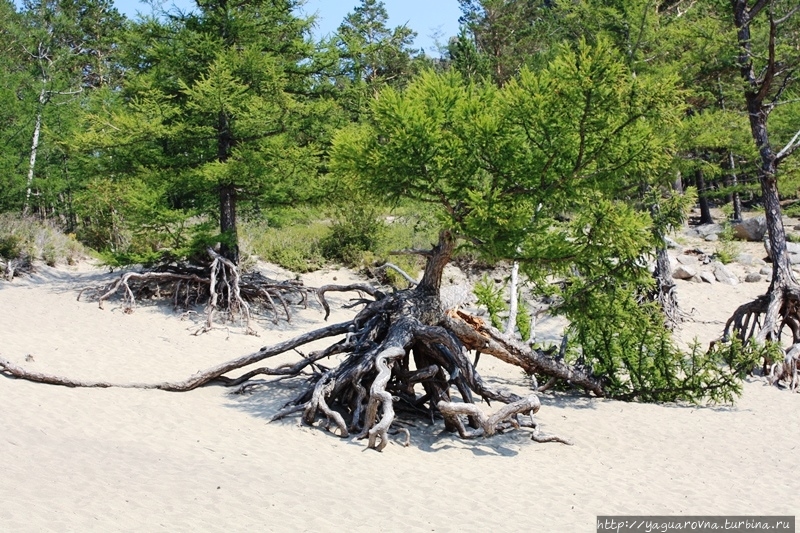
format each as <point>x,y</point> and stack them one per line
<point>197,380</point>
<point>482,337</point>
<point>356,395</point>
<point>221,285</point>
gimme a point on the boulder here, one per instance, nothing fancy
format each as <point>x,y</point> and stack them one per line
<point>708,277</point>
<point>684,272</point>
<point>685,259</point>
<point>765,271</point>
<point>724,275</point>
<point>713,237</point>
<point>752,277</point>
<point>708,229</point>
<point>672,245</point>
<point>792,247</point>
<point>751,229</point>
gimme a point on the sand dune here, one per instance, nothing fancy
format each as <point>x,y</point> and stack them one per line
<point>133,460</point>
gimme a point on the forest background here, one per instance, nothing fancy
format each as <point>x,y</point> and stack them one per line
<point>567,136</point>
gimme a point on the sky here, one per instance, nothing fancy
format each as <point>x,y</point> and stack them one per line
<point>432,19</point>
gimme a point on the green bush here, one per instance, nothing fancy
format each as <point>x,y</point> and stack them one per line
<point>622,340</point>
<point>10,247</point>
<point>296,247</point>
<point>492,298</point>
<point>728,248</point>
<point>356,229</point>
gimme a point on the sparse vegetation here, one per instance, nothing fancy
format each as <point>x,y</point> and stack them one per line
<point>29,239</point>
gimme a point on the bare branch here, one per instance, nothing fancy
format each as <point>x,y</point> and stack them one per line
<point>790,147</point>
<point>788,15</point>
<point>756,9</point>
<point>400,271</point>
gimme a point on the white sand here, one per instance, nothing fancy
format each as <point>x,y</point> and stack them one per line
<point>133,460</point>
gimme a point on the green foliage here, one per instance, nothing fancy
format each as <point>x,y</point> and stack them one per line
<point>371,56</point>
<point>294,247</point>
<point>492,298</point>
<point>622,339</point>
<point>728,248</point>
<point>10,247</point>
<point>524,319</point>
<point>357,228</point>
<point>214,119</point>
<point>500,165</point>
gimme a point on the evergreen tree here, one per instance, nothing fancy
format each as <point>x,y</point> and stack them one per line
<point>371,55</point>
<point>504,167</point>
<point>62,50</point>
<point>216,114</point>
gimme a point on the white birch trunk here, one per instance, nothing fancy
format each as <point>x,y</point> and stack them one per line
<point>34,148</point>
<point>513,304</point>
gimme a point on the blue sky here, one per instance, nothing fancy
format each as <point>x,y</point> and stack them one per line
<point>431,19</point>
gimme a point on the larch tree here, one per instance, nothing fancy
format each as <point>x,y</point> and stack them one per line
<point>216,113</point>
<point>371,55</point>
<point>532,171</point>
<point>768,36</point>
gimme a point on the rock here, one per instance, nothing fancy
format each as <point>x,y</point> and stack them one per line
<point>708,229</point>
<point>765,271</point>
<point>792,247</point>
<point>708,277</point>
<point>745,259</point>
<point>723,274</point>
<point>712,238</point>
<point>797,227</point>
<point>684,272</point>
<point>685,259</point>
<point>672,245</point>
<point>751,229</point>
<point>752,277</point>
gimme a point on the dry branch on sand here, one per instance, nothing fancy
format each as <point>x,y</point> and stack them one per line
<point>394,344</point>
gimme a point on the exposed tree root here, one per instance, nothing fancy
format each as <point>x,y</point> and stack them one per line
<point>787,370</point>
<point>400,350</point>
<point>667,297</point>
<point>765,319</point>
<point>15,267</point>
<point>220,286</point>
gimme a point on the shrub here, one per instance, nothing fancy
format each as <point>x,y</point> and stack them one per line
<point>492,298</point>
<point>356,229</point>
<point>295,247</point>
<point>31,239</point>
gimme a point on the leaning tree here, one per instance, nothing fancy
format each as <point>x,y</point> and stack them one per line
<point>768,34</point>
<point>534,172</point>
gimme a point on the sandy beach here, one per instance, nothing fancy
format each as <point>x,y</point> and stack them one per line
<point>207,460</point>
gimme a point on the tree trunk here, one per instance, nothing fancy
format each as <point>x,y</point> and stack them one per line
<point>736,199</point>
<point>780,305</point>
<point>705,210</point>
<point>227,193</point>
<point>227,223</point>
<point>677,185</point>
<point>34,148</point>
<point>513,302</point>
<point>437,260</point>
